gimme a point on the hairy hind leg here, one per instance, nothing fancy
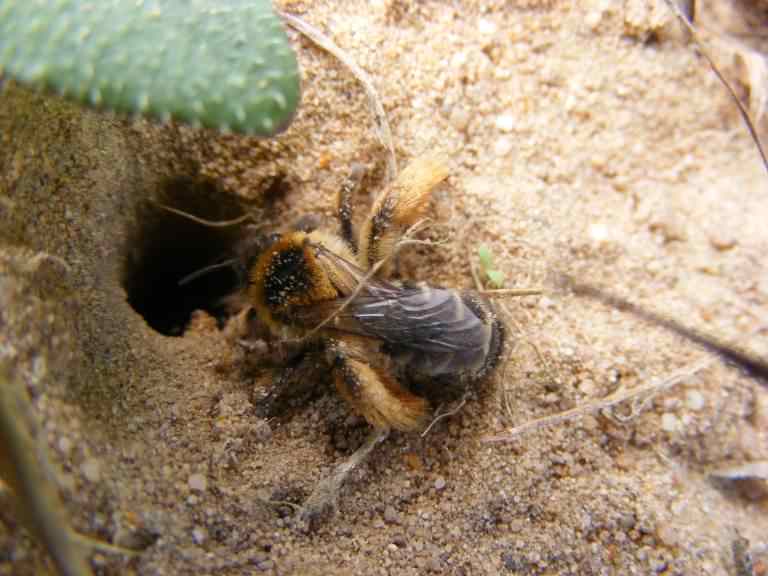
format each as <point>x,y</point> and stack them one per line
<point>380,399</point>
<point>401,204</point>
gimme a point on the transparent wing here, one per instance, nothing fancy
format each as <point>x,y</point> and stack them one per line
<point>432,330</point>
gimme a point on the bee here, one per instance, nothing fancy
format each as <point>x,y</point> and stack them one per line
<point>376,336</point>
<point>330,291</point>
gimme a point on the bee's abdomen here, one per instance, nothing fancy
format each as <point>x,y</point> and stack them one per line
<point>495,332</point>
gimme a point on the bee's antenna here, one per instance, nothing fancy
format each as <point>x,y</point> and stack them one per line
<point>203,221</point>
<point>231,262</point>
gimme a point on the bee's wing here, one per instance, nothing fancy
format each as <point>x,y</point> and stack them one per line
<point>434,330</point>
<point>430,319</point>
<point>431,330</point>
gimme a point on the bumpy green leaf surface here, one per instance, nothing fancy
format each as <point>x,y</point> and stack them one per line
<point>221,63</point>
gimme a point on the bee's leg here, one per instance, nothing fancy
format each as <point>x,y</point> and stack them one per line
<point>382,401</point>
<point>397,208</point>
<point>348,188</point>
<point>377,395</point>
<point>323,500</point>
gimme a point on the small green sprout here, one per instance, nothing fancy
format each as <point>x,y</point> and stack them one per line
<point>495,276</point>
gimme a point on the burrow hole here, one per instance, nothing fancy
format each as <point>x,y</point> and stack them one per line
<point>165,248</point>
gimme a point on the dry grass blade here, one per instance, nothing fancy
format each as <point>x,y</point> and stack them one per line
<point>454,410</point>
<point>742,110</point>
<point>756,67</point>
<point>758,469</point>
<point>501,292</point>
<point>383,133</point>
<point>23,467</point>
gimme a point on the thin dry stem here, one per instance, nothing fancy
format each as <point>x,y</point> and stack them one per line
<point>383,133</point>
<point>499,292</point>
<point>203,221</point>
<point>542,361</point>
<point>25,467</point>
<point>742,110</point>
<point>617,397</point>
<point>455,410</point>
<point>91,544</point>
<point>326,492</point>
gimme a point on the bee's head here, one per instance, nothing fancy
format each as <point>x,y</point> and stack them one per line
<point>285,276</point>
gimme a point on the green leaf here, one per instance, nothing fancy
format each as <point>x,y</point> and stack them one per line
<point>495,277</point>
<point>223,64</point>
<point>486,257</point>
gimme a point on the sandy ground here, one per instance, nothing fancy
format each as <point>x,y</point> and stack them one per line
<point>584,137</point>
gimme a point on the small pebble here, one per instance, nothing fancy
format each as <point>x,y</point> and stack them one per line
<point>198,482</point>
<point>598,232</point>
<point>505,122</point>
<point>459,118</point>
<point>439,483</point>
<point>671,225</point>
<point>669,422</point>
<point>199,535</point>
<point>593,19</point>
<point>551,398</point>
<point>587,387</point>
<point>694,400</point>
<point>65,445</point>
<point>668,536</point>
<point>486,27</point>
<point>91,469</point>
<point>400,541</point>
<point>390,515</point>
<point>502,146</point>
<point>722,239</point>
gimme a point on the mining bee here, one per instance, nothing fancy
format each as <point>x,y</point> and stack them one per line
<point>380,340</point>
<point>374,331</point>
<point>325,293</point>
<point>376,336</point>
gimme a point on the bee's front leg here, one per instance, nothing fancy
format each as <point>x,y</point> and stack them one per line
<point>288,385</point>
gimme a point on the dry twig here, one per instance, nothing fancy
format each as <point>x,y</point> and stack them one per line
<point>742,110</point>
<point>455,410</point>
<point>383,133</point>
<point>619,396</point>
<point>24,466</point>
